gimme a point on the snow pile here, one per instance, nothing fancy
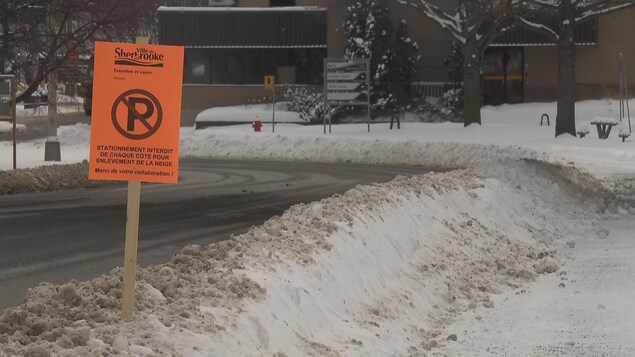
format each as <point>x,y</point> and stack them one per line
<point>54,175</point>
<point>74,141</point>
<point>7,127</point>
<point>380,270</point>
<point>211,143</point>
<point>248,114</point>
<point>46,178</point>
<point>75,137</point>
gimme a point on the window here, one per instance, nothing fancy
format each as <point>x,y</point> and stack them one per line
<point>196,66</point>
<point>250,65</point>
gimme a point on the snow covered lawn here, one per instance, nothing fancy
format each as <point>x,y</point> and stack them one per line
<point>525,249</point>
<point>585,309</point>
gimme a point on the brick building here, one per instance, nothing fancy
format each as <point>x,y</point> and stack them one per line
<point>232,44</point>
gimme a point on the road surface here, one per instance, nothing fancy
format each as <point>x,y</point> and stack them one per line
<point>79,234</point>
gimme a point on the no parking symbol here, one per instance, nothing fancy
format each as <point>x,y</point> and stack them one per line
<point>132,122</point>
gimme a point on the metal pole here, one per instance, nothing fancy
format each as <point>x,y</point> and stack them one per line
<point>368,118</point>
<point>368,71</point>
<point>624,94</point>
<point>628,109</point>
<point>14,117</point>
<point>330,120</point>
<point>273,113</point>
<point>621,95</point>
<point>328,109</point>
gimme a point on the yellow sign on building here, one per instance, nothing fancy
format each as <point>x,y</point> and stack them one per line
<point>270,81</point>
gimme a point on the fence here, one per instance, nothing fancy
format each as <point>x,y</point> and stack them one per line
<point>430,89</point>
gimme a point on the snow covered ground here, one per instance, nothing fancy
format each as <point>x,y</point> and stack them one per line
<point>525,250</point>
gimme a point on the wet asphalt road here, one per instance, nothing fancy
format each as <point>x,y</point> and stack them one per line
<point>79,234</point>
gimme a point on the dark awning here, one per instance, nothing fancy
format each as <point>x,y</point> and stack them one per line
<point>586,34</point>
<point>285,27</point>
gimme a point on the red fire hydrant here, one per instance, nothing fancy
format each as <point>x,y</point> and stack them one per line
<point>257,125</point>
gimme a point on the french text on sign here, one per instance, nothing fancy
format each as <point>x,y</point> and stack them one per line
<point>136,112</point>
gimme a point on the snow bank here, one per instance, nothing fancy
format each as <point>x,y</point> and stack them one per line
<point>379,270</point>
<point>6,127</point>
<point>248,113</point>
<point>46,178</point>
<point>210,143</point>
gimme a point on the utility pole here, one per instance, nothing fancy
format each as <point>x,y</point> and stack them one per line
<point>4,51</point>
<point>52,146</point>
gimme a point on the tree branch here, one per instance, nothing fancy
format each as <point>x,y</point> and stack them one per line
<point>451,24</point>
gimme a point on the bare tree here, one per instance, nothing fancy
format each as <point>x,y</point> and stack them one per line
<point>473,24</point>
<point>568,13</point>
<point>37,36</point>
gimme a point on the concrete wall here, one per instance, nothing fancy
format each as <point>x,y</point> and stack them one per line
<point>597,66</point>
<point>541,74</point>
<point>253,3</point>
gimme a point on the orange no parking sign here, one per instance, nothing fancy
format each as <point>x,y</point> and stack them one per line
<point>136,112</point>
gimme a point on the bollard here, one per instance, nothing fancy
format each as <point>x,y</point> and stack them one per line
<point>543,118</point>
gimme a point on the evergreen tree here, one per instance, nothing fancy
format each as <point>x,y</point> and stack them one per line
<point>403,67</point>
<point>454,65</point>
<point>369,35</point>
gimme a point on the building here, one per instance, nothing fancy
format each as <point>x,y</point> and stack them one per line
<point>232,44</point>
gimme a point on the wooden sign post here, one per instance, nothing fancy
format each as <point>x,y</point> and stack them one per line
<point>135,129</point>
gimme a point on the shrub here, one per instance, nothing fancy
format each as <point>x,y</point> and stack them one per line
<point>447,108</point>
<point>310,105</point>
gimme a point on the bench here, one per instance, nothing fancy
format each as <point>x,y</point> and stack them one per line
<point>604,126</point>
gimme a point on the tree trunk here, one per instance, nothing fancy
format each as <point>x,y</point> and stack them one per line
<point>471,85</point>
<point>4,51</point>
<point>565,118</point>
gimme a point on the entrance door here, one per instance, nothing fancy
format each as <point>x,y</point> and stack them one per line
<point>503,70</point>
